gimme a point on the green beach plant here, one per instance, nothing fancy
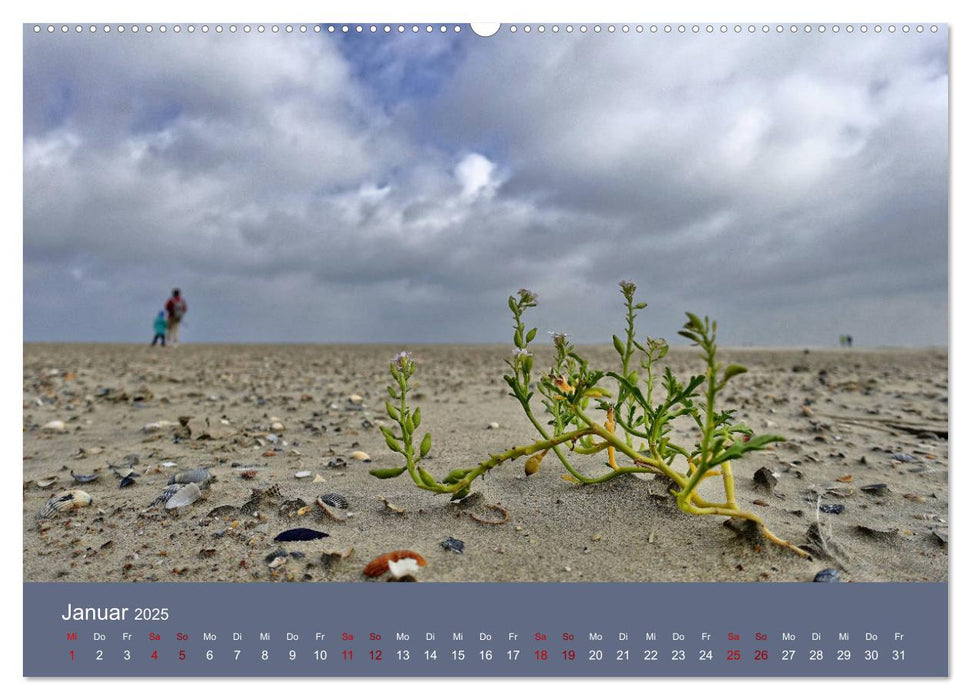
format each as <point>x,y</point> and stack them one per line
<point>634,425</point>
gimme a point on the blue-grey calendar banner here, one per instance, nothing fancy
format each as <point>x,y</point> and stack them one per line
<point>485,629</point>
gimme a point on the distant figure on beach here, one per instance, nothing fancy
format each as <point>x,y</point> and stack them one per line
<point>846,341</point>
<point>161,326</point>
<point>176,308</point>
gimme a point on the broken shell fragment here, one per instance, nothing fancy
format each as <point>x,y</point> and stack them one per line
<point>65,501</point>
<point>331,512</point>
<point>192,476</point>
<point>391,506</point>
<point>84,478</point>
<point>329,557</point>
<point>158,426</point>
<point>300,534</point>
<point>223,512</point>
<point>334,500</point>
<point>127,481</point>
<point>361,456</point>
<point>47,483</point>
<point>379,566</point>
<point>55,426</point>
<point>485,521</point>
<point>166,494</point>
<point>186,495</point>
<point>302,475</point>
<point>403,567</point>
<point>453,545</point>
<point>124,472</point>
<point>827,576</point>
<point>765,478</point>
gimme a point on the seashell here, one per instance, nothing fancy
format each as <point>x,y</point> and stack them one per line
<point>259,499</point>
<point>841,491</point>
<point>277,426</point>
<point>127,481</point>
<point>453,545</point>
<point>277,562</point>
<point>186,495</point>
<point>318,479</point>
<point>380,566</point>
<point>168,464</point>
<point>47,483</point>
<point>65,501</point>
<point>84,478</point>
<point>499,509</point>
<point>403,567</point>
<point>827,576</point>
<point>337,463</point>
<point>222,512</point>
<point>329,557</point>
<point>876,489</point>
<point>290,507</point>
<point>274,554</point>
<point>355,398</point>
<point>166,494</point>
<point>248,474</point>
<point>300,534</point>
<point>302,475</point>
<point>124,473</point>
<point>832,508</point>
<point>361,456</point>
<point>158,426</point>
<point>764,477</point>
<point>492,426</point>
<point>55,426</point>
<point>192,476</point>
<point>335,500</point>
<point>391,506</point>
<point>332,513</point>
<point>887,535</point>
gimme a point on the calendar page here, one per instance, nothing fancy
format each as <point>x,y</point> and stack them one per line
<point>622,345</point>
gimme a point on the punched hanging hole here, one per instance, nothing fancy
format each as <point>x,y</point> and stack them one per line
<point>485,29</point>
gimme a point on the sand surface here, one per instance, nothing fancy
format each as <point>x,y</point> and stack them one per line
<point>872,417</point>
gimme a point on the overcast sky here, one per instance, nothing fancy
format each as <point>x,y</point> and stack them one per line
<point>398,188</point>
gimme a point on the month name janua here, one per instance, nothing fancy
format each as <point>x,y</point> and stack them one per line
<point>74,613</point>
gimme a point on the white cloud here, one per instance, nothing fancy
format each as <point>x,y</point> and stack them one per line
<point>476,176</point>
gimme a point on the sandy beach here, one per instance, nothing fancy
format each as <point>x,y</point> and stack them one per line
<point>866,441</point>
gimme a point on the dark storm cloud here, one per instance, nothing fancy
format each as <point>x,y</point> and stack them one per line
<point>308,188</point>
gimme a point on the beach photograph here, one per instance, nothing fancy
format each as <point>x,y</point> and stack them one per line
<point>376,303</point>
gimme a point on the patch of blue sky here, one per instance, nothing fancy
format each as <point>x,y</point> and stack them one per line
<point>154,115</point>
<point>402,67</point>
<point>49,109</point>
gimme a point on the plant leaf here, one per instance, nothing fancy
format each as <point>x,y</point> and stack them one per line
<point>387,473</point>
